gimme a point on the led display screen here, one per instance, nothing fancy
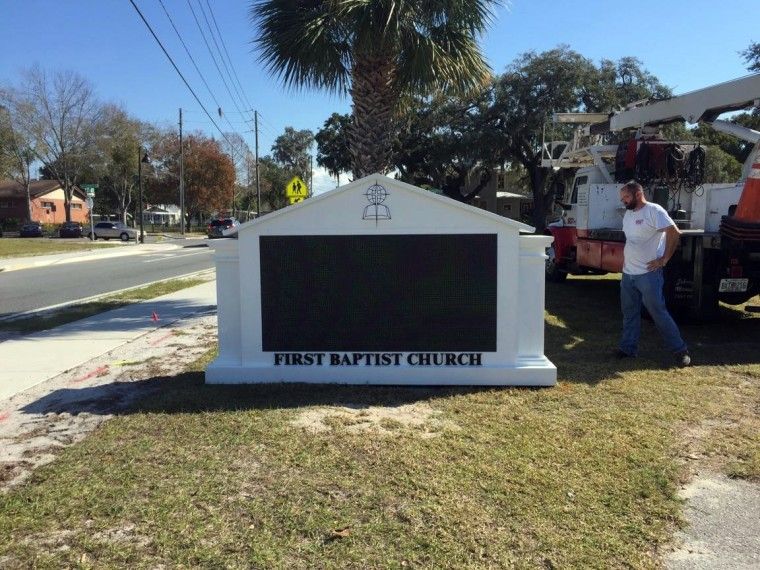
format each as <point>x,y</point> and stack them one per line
<point>379,293</point>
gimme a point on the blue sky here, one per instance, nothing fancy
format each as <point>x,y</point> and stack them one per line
<point>688,44</point>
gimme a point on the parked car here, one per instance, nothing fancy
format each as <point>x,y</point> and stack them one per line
<point>216,228</point>
<point>70,229</point>
<point>108,230</point>
<point>33,229</point>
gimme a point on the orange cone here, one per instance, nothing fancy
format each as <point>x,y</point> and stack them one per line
<point>748,209</point>
<point>154,316</point>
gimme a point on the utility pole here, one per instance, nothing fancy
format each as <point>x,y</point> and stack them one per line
<point>140,160</point>
<point>181,179</point>
<point>258,189</point>
<point>248,183</point>
<point>311,175</point>
<point>234,179</point>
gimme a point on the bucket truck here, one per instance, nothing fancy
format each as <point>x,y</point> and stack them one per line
<point>719,254</point>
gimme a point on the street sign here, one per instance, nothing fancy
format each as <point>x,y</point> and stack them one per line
<point>90,189</point>
<point>296,188</point>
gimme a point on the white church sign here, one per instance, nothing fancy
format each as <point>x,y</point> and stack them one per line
<point>380,282</point>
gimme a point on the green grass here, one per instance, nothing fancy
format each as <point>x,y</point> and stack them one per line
<point>76,312</point>
<point>583,475</point>
<point>19,247</point>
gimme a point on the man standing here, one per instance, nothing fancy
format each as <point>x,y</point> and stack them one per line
<point>651,238</point>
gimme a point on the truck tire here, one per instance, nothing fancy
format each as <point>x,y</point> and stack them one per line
<point>553,272</point>
<point>124,236</point>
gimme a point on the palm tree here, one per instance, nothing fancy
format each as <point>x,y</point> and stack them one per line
<point>378,51</point>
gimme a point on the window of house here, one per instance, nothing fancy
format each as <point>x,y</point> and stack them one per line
<point>6,203</point>
<point>47,205</point>
<point>501,181</point>
<point>507,207</point>
<point>76,206</point>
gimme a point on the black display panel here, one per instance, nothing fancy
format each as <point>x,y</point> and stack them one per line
<point>387,293</point>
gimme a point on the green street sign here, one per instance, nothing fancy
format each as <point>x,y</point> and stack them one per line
<point>90,189</point>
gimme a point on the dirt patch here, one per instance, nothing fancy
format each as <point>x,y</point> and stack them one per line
<point>694,439</point>
<point>36,424</point>
<point>51,540</point>
<point>384,420</point>
<point>122,535</point>
<point>9,470</point>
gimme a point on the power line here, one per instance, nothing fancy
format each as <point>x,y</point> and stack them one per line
<point>213,57</point>
<point>193,60</point>
<point>245,124</point>
<point>232,66</point>
<point>166,53</point>
<point>219,51</point>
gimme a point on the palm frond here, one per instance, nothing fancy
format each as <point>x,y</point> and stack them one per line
<point>303,43</point>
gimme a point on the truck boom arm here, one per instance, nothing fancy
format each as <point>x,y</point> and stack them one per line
<point>700,105</point>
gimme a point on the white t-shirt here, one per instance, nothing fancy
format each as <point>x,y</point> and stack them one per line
<point>644,237</point>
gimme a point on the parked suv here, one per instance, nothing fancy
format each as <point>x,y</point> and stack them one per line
<point>70,229</point>
<point>108,230</point>
<point>216,228</point>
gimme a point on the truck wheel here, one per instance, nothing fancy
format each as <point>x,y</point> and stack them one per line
<point>124,236</point>
<point>553,272</point>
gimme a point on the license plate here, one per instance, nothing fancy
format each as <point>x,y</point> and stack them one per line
<point>733,285</point>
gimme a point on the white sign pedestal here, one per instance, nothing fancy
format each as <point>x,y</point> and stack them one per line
<point>380,282</point>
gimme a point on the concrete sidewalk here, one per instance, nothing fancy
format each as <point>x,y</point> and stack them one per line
<point>35,358</point>
<point>99,252</point>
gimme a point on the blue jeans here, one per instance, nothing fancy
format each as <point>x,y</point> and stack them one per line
<point>646,289</point>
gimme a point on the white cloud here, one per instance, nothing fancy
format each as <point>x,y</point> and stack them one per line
<point>322,181</point>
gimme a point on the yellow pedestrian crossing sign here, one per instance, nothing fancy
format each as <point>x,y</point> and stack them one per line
<point>296,190</point>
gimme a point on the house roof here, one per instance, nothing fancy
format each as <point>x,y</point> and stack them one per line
<point>13,189</point>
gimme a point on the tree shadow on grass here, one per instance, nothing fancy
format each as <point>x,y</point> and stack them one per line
<point>581,334</point>
<point>586,327</point>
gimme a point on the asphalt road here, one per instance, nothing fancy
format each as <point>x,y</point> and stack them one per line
<point>35,288</point>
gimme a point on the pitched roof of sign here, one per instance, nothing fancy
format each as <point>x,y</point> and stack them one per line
<point>403,185</point>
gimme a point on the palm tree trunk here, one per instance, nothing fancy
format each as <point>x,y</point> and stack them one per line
<point>371,134</point>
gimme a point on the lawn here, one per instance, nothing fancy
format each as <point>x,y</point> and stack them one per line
<point>19,247</point>
<point>71,313</point>
<point>583,475</point>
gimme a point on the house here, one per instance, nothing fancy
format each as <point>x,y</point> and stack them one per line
<point>163,215</point>
<point>47,202</point>
<point>495,198</point>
